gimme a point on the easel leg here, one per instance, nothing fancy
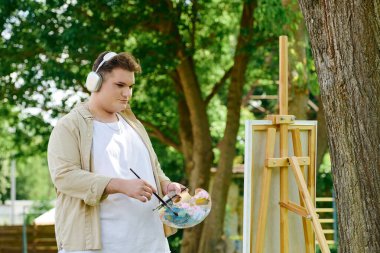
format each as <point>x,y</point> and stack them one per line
<point>311,177</point>
<point>309,204</point>
<point>283,109</point>
<point>308,235</point>
<point>284,191</point>
<point>267,174</point>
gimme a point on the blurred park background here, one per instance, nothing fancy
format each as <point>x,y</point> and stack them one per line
<point>207,67</point>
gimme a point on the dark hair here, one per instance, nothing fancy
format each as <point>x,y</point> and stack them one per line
<point>123,60</point>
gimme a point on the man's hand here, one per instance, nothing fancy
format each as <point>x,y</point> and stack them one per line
<point>168,186</point>
<point>134,188</point>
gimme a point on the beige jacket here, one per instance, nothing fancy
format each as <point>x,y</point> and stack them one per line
<point>79,191</point>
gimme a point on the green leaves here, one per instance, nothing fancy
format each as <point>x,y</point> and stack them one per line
<point>48,48</point>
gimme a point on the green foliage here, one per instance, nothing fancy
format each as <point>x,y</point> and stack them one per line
<point>175,241</point>
<point>215,40</point>
<point>50,47</point>
<point>23,139</point>
<point>37,209</point>
<point>324,178</point>
<point>33,179</point>
<point>271,17</point>
<point>313,85</point>
<point>170,160</point>
<point>4,181</point>
<point>333,249</point>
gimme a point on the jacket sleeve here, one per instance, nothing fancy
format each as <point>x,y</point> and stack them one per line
<point>68,176</point>
<point>161,175</point>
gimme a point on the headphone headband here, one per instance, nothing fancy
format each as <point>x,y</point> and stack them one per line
<point>94,80</point>
<point>106,57</point>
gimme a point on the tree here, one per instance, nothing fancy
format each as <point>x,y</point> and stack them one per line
<point>345,42</point>
<point>213,228</point>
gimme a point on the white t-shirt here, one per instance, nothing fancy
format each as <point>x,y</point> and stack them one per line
<point>127,225</point>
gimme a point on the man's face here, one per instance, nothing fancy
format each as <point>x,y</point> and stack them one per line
<point>116,90</point>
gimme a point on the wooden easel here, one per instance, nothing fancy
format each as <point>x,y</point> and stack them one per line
<point>306,209</point>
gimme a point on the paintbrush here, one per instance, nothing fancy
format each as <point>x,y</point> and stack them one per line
<point>159,198</point>
<point>169,199</point>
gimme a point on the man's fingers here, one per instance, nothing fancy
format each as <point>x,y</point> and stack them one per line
<point>142,198</point>
<point>173,186</point>
<point>147,195</point>
<point>142,190</point>
<point>151,187</point>
<point>148,189</point>
<point>178,188</point>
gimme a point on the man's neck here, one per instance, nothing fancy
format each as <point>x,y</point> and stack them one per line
<point>100,113</point>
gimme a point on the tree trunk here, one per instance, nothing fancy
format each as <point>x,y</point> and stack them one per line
<point>202,147</point>
<point>345,42</point>
<point>186,138</point>
<point>322,140</point>
<point>213,228</point>
<point>185,132</point>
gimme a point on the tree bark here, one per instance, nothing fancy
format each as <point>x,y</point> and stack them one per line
<point>185,132</point>
<point>202,147</point>
<point>345,43</point>
<point>211,240</point>
<point>322,140</point>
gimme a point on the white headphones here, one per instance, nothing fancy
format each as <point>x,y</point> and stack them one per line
<point>94,80</point>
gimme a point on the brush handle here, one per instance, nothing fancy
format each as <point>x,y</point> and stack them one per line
<point>155,194</point>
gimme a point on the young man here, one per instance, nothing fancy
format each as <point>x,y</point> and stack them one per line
<point>101,205</point>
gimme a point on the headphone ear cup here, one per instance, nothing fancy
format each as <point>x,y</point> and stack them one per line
<point>93,81</point>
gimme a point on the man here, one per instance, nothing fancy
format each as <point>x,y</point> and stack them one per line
<point>101,205</point>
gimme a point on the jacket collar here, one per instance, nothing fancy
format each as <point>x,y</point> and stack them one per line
<point>82,108</point>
